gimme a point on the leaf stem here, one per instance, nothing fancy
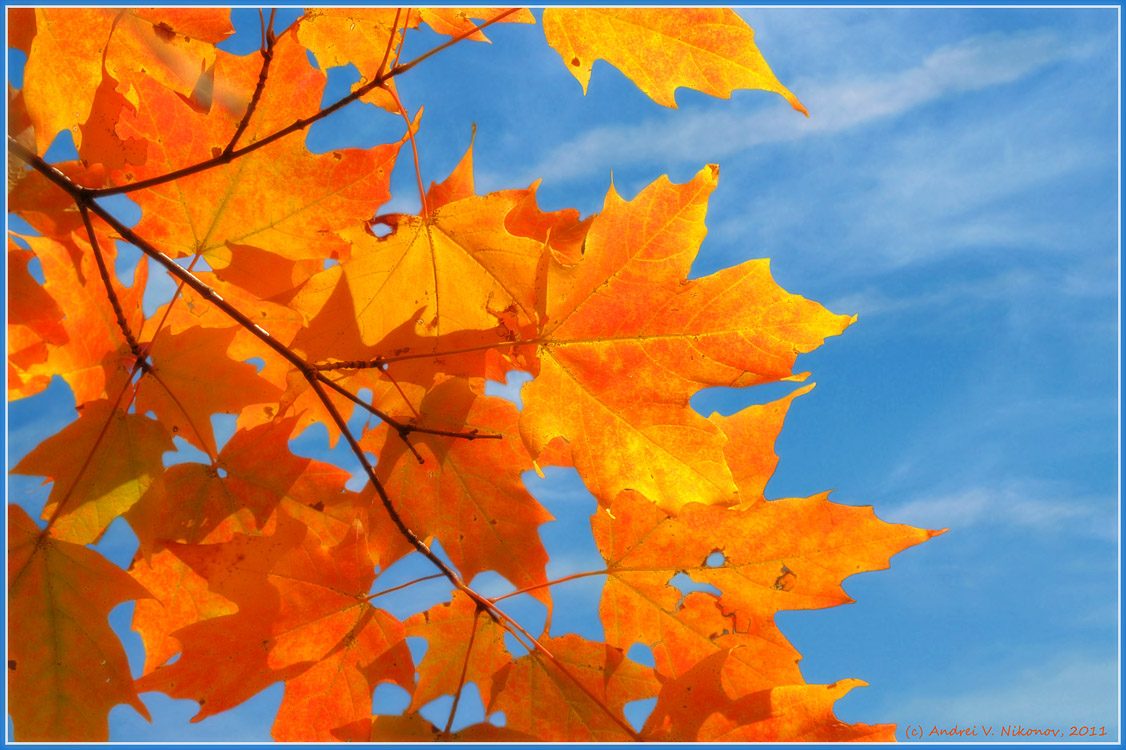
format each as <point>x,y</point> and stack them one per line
<point>401,586</point>
<point>564,579</point>
<point>464,671</point>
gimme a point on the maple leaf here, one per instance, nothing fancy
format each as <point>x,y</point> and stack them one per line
<point>464,645</point>
<point>121,456</point>
<point>259,565</point>
<point>280,197</point>
<point>627,341</point>
<point>468,493</point>
<point>71,47</point>
<point>577,694</point>
<point>708,49</point>
<point>96,360</point>
<point>783,554</point>
<point>60,595</point>
<point>302,617</point>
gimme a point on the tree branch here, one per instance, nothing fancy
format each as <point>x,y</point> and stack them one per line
<point>299,124</point>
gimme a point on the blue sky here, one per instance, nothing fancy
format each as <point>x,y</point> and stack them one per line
<point>956,187</point>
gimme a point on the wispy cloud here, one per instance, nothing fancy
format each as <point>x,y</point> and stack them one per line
<point>1030,505</point>
<point>977,63</point>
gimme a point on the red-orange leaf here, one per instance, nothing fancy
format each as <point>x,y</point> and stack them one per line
<point>280,198</point>
<point>97,359</point>
<point>468,493</point>
<point>461,639</point>
<point>65,61</point>
<point>180,388</point>
<point>577,694</point>
<point>300,604</point>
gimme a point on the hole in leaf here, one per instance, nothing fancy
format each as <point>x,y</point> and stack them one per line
<point>715,560</point>
<point>638,711</point>
<point>258,363</point>
<point>417,646</point>
<point>470,709</point>
<point>223,426</point>
<point>641,654</point>
<point>687,586</point>
<point>514,381</point>
<point>185,453</point>
<point>389,699</point>
<point>125,264</point>
<point>61,149</point>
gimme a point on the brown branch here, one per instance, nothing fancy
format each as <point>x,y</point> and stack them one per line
<point>296,125</point>
<point>267,51</point>
<point>392,513</point>
<point>402,428</point>
<point>103,271</point>
<point>84,198</point>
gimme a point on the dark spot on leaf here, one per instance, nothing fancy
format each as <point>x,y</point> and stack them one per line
<point>164,31</point>
<point>215,151</point>
<point>575,61</point>
<point>319,506</point>
<point>785,582</point>
<point>11,665</point>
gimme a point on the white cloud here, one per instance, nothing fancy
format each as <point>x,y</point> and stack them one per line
<point>1032,505</point>
<point>977,63</point>
<point>1056,689</point>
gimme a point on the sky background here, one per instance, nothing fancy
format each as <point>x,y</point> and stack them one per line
<point>956,187</point>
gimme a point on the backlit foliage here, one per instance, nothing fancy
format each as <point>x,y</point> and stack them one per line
<point>258,566</point>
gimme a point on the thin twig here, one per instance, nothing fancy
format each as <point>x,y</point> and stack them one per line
<point>267,51</point>
<point>401,586</point>
<point>403,38</point>
<point>296,125</point>
<point>103,271</point>
<point>400,69</point>
<point>425,209</point>
<point>403,428</point>
<point>390,44</point>
<point>564,579</point>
